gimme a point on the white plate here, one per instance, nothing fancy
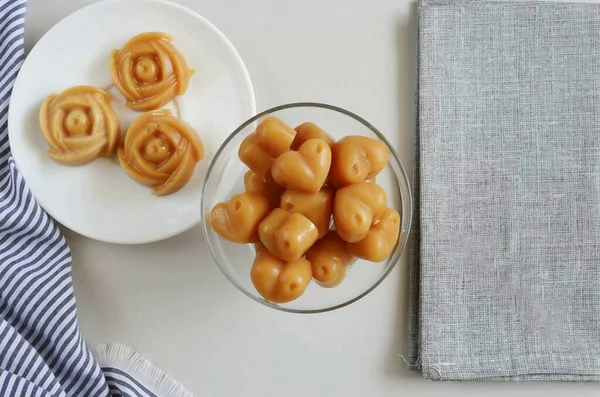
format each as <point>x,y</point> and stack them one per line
<point>99,200</point>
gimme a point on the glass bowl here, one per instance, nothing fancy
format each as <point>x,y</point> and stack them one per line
<point>225,178</point>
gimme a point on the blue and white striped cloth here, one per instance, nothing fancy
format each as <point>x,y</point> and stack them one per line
<point>42,352</point>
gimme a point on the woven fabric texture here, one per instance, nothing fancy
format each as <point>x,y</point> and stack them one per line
<point>507,265</point>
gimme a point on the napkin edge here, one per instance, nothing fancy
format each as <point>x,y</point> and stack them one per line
<point>139,368</point>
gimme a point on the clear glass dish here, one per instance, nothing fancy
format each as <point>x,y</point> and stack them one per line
<point>225,178</point>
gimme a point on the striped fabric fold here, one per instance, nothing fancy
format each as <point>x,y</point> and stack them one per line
<point>42,352</point>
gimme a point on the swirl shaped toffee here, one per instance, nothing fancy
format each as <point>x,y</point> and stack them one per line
<point>80,125</point>
<point>161,151</point>
<point>149,71</point>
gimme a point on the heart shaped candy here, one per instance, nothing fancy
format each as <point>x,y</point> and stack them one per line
<point>329,259</point>
<point>274,136</point>
<point>264,185</point>
<point>271,139</point>
<point>237,220</point>
<point>278,281</point>
<point>380,240</point>
<point>287,236</point>
<point>251,154</point>
<point>356,207</point>
<point>308,130</point>
<point>316,207</point>
<point>305,170</point>
<point>355,159</point>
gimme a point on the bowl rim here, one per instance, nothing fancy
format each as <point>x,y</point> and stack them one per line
<point>408,200</point>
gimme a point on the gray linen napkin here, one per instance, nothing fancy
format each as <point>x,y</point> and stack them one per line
<point>506,279</point>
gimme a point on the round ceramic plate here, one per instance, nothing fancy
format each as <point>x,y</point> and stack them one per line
<point>100,200</point>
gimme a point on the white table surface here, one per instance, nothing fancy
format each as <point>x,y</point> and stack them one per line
<point>170,302</point>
